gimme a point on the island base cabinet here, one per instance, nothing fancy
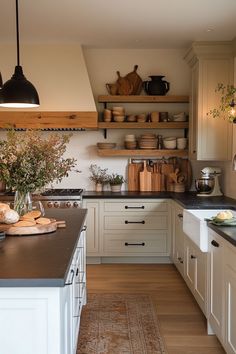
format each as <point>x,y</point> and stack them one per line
<point>230,300</point>
<point>37,319</point>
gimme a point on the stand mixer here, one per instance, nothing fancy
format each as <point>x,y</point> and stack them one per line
<point>208,184</point>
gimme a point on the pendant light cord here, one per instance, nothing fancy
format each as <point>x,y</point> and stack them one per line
<point>17,35</point>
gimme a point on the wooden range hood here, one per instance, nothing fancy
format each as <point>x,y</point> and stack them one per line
<point>49,120</point>
<point>60,74</point>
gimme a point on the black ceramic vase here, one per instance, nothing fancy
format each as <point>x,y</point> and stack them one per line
<point>156,86</point>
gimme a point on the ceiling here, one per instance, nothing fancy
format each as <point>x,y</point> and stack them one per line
<point>120,24</point>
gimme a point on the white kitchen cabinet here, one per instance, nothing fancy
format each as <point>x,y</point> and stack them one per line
<point>178,237</point>
<point>215,284</point>
<point>209,138</point>
<point>44,320</point>
<point>230,298</point>
<point>122,229</point>
<point>195,272</point>
<point>222,290</point>
<point>92,223</point>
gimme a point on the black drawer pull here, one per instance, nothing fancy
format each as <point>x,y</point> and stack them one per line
<point>180,215</point>
<point>134,207</point>
<point>134,244</point>
<point>72,272</point>
<point>134,222</point>
<point>180,260</point>
<point>215,244</point>
<point>193,257</point>
<point>84,228</point>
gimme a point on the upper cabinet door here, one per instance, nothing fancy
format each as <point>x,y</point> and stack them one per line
<point>210,138</point>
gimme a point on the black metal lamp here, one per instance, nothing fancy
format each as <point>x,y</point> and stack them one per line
<point>18,92</point>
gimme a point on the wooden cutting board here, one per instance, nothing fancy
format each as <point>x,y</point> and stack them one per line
<point>29,230</point>
<point>156,178</point>
<point>145,179</point>
<point>166,170</point>
<point>186,168</point>
<point>133,176</point>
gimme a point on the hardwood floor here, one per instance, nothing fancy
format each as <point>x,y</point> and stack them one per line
<point>182,324</point>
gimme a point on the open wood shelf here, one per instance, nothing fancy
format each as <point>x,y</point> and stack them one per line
<point>142,152</point>
<point>146,125</point>
<point>143,99</point>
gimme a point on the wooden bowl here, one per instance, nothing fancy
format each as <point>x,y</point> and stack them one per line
<point>104,146</point>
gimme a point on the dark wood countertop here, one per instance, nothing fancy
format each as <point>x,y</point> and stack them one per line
<point>41,260</point>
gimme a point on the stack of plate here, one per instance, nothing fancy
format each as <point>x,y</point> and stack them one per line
<point>148,141</point>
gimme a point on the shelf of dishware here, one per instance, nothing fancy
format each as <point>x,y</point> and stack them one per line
<point>143,152</point>
<point>145,125</point>
<point>143,99</point>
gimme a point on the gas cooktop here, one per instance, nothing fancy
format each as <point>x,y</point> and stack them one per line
<point>62,192</point>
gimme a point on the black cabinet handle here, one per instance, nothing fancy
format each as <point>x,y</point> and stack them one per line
<point>134,207</point>
<point>215,244</point>
<point>180,260</point>
<point>193,257</point>
<point>84,228</point>
<point>134,222</point>
<point>134,244</point>
<point>72,277</point>
<point>180,216</point>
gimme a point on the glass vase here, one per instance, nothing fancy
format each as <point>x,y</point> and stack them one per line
<point>22,202</point>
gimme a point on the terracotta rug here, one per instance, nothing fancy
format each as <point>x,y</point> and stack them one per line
<point>119,324</point>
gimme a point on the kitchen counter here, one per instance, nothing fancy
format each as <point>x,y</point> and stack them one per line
<point>41,260</point>
<point>188,200</point>
<point>227,232</point>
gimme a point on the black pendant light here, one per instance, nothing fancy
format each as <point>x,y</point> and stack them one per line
<point>18,92</point>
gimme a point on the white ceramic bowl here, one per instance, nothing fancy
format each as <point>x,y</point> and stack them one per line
<point>169,143</point>
<point>182,143</point>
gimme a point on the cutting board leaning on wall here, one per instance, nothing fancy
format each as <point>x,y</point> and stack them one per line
<point>157,175</point>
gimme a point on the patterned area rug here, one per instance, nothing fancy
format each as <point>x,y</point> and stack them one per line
<point>119,324</point>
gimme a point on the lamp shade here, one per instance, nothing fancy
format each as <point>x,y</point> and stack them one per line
<point>18,92</point>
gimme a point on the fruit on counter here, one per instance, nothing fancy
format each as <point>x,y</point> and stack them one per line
<point>8,215</point>
<point>224,215</point>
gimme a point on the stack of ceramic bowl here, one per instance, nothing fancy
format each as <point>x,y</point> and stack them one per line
<point>141,118</point>
<point>148,141</point>
<point>169,143</point>
<point>107,115</point>
<point>130,142</point>
<point>118,114</point>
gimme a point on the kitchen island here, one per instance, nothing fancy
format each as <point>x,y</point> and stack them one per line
<point>43,288</point>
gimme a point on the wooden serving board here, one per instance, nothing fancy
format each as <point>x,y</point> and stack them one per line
<point>133,176</point>
<point>29,230</point>
<point>145,178</point>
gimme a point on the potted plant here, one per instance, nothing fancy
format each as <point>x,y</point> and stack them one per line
<point>98,176</point>
<point>116,181</point>
<point>29,161</point>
